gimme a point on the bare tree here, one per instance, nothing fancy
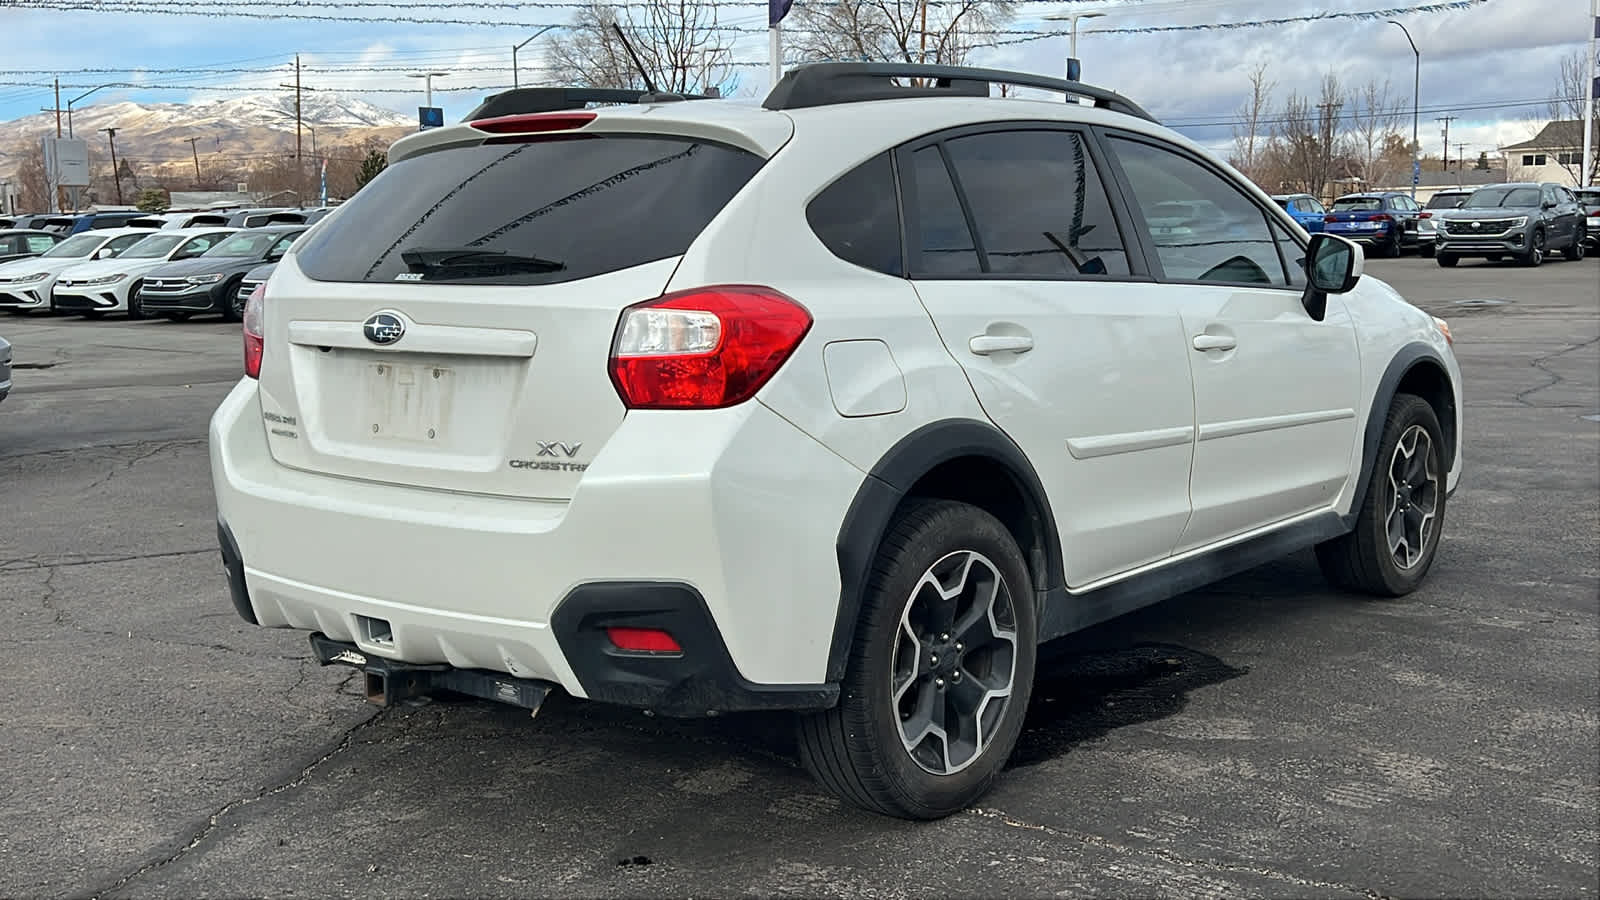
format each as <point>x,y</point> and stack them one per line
<point>1372,125</point>
<point>1249,142</point>
<point>913,31</point>
<point>31,179</point>
<point>1330,143</point>
<point>1567,104</point>
<point>680,43</point>
<point>1293,153</point>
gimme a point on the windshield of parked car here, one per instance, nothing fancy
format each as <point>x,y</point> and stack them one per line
<point>153,247</point>
<point>1446,201</point>
<point>1515,197</point>
<point>250,244</point>
<point>76,247</point>
<point>1348,204</point>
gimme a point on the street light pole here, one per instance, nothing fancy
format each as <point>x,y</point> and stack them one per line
<point>514,81</point>
<point>87,93</point>
<point>1416,97</point>
<point>427,81</point>
<point>1074,68</point>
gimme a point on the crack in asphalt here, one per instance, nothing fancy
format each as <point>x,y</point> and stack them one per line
<point>213,821</point>
<point>1555,379</point>
<point>79,451</point>
<point>129,463</point>
<point>1010,821</point>
<point>33,563</point>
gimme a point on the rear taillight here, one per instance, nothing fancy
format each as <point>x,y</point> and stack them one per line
<point>1330,217</point>
<point>705,348</point>
<point>1380,217</point>
<point>254,343</point>
<point>1426,215</point>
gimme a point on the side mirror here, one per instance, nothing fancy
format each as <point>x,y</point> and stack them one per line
<point>1333,266</point>
<point>274,255</point>
<point>103,253</point>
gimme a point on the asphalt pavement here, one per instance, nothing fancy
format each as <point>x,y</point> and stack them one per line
<point>1266,736</point>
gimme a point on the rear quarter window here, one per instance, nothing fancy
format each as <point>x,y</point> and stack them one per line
<point>858,217</point>
<point>589,205</point>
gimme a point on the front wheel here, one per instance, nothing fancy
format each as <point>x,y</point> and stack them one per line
<point>135,308</point>
<point>1425,250</point>
<point>1576,251</point>
<point>1447,260</point>
<point>232,304</point>
<point>1397,528</point>
<point>1535,254</point>
<point>940,671</point>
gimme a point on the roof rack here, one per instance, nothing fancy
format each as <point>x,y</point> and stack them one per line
<point>522,101</point>
<point>825,84</point>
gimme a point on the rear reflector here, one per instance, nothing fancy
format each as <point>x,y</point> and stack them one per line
<point>534,123</point>
<point>643,640</point>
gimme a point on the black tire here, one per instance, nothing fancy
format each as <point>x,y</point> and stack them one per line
<point>1575,252</point>
<point>232,306</point>
<point>95,314</point>
<point>1447,260</point>
<point>177,316</point>
<point>1363,560</point>
<point>856,749</point>
<point>1494,257</point>
<point>135,308</point>
<point>1425,250</point>
<point>1534,256</point>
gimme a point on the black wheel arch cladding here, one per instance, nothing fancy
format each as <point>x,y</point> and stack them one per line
<point>892,480</point>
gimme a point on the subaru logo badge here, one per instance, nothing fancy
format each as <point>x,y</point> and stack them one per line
<point>383,328</point>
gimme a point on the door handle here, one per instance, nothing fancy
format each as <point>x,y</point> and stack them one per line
<point>985,344</point>
<point>1214,342</point>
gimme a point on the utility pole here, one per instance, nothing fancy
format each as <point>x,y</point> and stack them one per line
<point>116,176</point>
<point>299,165</point>
<point>58,107</point>
<point>196,153</point>
<point>54,181</point>
<point>1446,120</point>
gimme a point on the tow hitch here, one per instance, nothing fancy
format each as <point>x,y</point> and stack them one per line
<point>389,681</point>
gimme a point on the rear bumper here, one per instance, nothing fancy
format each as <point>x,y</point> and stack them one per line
<point>725,538</point>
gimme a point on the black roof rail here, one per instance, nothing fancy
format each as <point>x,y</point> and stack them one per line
<point>523,101</point>
<point>824,84</point>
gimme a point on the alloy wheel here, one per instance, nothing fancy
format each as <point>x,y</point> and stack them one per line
<point>1413,506</point>
<point>954,664</point>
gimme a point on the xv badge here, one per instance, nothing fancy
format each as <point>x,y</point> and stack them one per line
<point>558,448</point>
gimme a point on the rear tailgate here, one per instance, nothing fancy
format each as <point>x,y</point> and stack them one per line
<point>450,328</point>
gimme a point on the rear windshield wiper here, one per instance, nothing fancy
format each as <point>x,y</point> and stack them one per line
<point>440,258</point>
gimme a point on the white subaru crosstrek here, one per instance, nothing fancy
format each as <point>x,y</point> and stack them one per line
<point>842,404</point>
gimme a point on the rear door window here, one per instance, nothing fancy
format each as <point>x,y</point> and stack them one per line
<point>539,212</point>
<point>942,240</point>
<point>1039,206</point>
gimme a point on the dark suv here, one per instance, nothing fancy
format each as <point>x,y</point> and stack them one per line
<point>1523,221</point>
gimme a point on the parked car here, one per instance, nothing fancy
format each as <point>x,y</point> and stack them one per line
<point>174,221</point>
<point>1589,199</point>
<point>1305,209</point>
<point>26,284</point>
<point>19,243</point>
<point>1387,221</point>
<point>253,279</point>
<point>76,224</point>
<point>256,218</point>
<point>505,432</point>
<point>1449,198</point>
<point>25,221</point>
<point>210,284</point>
<point>5,368</point>
<point>1520,220</point>
<point>112,285</point>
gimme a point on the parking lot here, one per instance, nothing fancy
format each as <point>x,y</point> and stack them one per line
<point>1264,736</point>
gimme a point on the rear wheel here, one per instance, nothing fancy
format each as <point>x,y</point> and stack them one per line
<point>1448,260</point>
<point>1576,251</point>
<point>940,672</point>
<point>1397,529</point>
<point>1535,254</point>
<point>233,304</point>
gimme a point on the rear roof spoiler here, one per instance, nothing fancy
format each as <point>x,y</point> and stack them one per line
<point>523,101</point>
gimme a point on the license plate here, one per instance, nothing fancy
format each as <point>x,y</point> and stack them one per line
<point>408,401</point>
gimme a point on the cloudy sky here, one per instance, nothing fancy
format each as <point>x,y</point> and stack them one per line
<point>1491,65</point>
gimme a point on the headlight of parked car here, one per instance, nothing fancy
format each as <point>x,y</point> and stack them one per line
<point>37,276</point>
<point>1519,221</point>
<point>204,279</point>
<point>105,279</point>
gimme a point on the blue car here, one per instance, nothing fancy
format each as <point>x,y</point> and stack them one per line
<point>1306,209</point>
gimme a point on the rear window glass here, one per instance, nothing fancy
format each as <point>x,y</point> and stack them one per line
<point>1446,201</point>
<point>1345,204</point>
<point>858,217</point>
<point>529,213</point>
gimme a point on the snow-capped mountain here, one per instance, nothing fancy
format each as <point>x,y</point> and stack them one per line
<point>248,124</point>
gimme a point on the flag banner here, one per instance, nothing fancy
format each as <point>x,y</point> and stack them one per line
<point>776,10</point>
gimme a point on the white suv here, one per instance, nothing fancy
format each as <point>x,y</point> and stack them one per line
<point>840,405</point>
